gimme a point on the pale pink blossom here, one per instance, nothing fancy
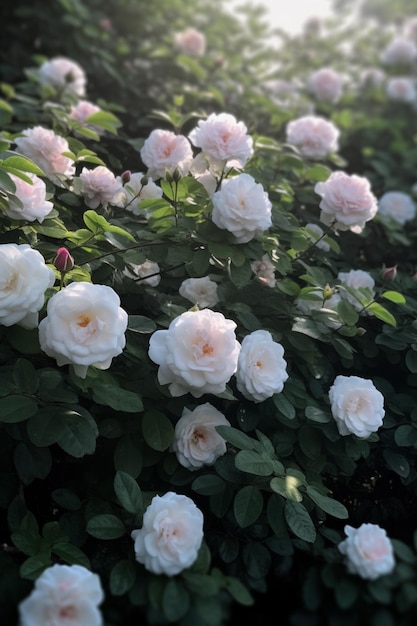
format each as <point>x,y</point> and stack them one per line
<point>64,75</point>
<point>347,201</point>
<point>398,206</point>
<point>401,89</point>
<point>264,271</point>
<point>410,28</point>
<point>148,272</point>
<point>63,595</point>
<point>357,406</point>
<point>242,207</point>
<point>164,151</point>
<point>314,136</point>
<point>191,42</point>
<point>81,111</point>
<point>326,85</point>
<point>196,442</point>
<point>362,284</point>
<point>200,291</point>
<point>223,140</point>
<point>46,148</point>
<point>373,77</point>
<point>98,186</point>
<point>197,354</point>
<point>368,550</point>
<point>32,196</point>
<point>206,173</point>
<point>138,188</point>
<point>400,51</point>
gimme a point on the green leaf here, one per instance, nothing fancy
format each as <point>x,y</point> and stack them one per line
<point>122,577</point>
<point>117,398</point>
<point>287,487</point>
<point>175,600</point>
<point>397,462</point>
<point>24,164</point>
<point>105,526</point>
<point>254,463</point>
<point>333,507</point>
<point>157,430</point>
<point>284,405</point>
<point>238,591</point>
<point>16,408</point>
<point>80,432</point>
<point>381,313</point>
<point>208,485</point>
<point>128,492</point>
<point>394,296</point>
<point>67,499</point>
<point>25,376</point>
<point>247,505</point>
<point>299,521</point>
<point>46,427</point>
<point>128,456</point>
<point>238,439</point>
<point>35,565</point>
<point>71,554</point>
<point>141,324</point>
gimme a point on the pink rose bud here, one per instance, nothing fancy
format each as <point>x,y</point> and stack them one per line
<point>105,24</point>
<point>389,273</point>
<point>63,261</point>
<point>126,176</point>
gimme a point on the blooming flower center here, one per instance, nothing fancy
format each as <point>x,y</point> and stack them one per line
<point>67,612</point>
<point>83,320</point>
<point>198,436</point>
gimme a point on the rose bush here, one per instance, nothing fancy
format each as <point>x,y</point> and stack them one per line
<point>208,352</point>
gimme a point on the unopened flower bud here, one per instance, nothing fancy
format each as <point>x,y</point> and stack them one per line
<point>327,292</point>
<point>126,176</point>
<point>144,181</point>
<point>63,261</point>
<point>176,175</point>
<point>389,273</point>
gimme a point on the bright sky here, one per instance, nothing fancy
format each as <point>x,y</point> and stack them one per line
<point>291,14</point>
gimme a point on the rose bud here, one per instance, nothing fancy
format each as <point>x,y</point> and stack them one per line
<point>126,176</point>
<point>63,261</point>
<point>389,273</point>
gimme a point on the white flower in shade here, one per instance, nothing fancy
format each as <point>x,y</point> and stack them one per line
<point>401,89</point>
<point>205,173</point>
<point>45,148</point>
<point>314,136</point>
<point>223,140</point>
<point>171,534</point>
<point>362,283</point>
<point>400,51</point>
<point>410,28</point>
<point>373,77</point>
<point>261,369</point>
<point>242,207</point>
<point>164,151</point>
<point>148,269</point>
<point>315,232</point>
<point>137,189</point>
<point>63,595</point>
<point>191,42</point>
<point>347,201</point>
<point>197,354</point>
<point>24,279</point>
<point>368,550</point>
<point>200,291</point>
<point>326,85</point>
<point>357,406</point>
<point>196,442</point>
<point>34,205</point>
<point>84,325</point>
<point>398,206</point>
<point>264,271</point>
<point>81,111</point>
<point>98,186</point>
<point>64,75</point>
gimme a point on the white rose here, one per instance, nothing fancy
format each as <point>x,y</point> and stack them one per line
<point>223,139</point>
<point>369,552</point>
<point>242,207</point>
<point>24,278</point>
<point>362,283</point>
<point>147,268</point>
<point>45,148</point>
<point>34,205</point>
<point>98,186</point>
<point>164,151</point>
<point>135,191</point>
<point>347,201</point>
<point>400,51</point>
<point>81,111</point>
<point>314,136</point>
<point>64,75</point>
<point>171,534</point>
<point>315,234</point>
<point>200,291</point>
<point>401,89</point>
<point>326,85</point>
<point>261,369</point>
<point>197,443</point>
<point>191,42</point>
<point>197,354</point>
<point>356,405</point>
<point>264,271</point>
<point>397,205</point>
<point>84,326</point>
<point>63,595</point>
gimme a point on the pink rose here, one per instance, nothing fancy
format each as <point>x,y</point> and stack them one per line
<point>401,89</point>
<point>191,42</point>
<point>34,205</point>
<point>400,51</point>
<point>164,151</point>
<point>398,206</point>
<point>368,551</point>
<point>64,75</point>
<point>347,201</point>
<point>325,84</point>
<point>314,136</point>
<point>99,186</point>
<point>81,111</point>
